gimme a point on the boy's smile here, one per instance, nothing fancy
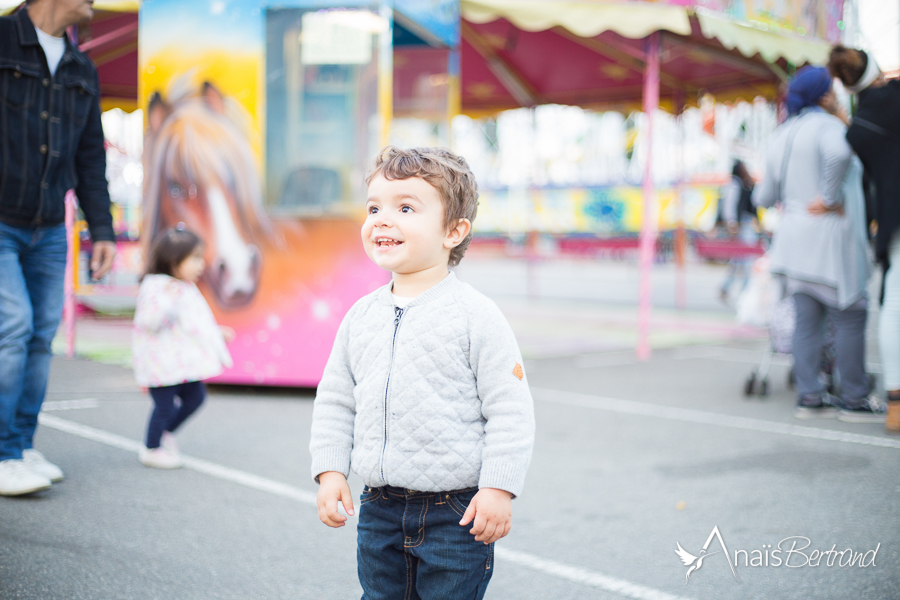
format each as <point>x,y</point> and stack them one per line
<point>404,232</point>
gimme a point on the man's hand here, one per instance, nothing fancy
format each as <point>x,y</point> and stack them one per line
<point>102,259</point>
<point>818,207</point>
<point>333,487</point>
<point>492,510</point>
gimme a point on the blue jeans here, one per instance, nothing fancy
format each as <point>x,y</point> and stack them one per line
<point>32,275</point>
<point>411,546</point>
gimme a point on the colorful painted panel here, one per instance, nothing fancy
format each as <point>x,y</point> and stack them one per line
<point>602,210</point>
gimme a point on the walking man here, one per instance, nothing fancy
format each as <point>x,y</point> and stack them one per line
<point>51,140</point>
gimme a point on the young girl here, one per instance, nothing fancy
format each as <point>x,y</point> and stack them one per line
<point>176,342</point>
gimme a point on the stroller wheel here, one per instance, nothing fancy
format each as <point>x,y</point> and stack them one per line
<point>750,385</point>
<point>763,388</point>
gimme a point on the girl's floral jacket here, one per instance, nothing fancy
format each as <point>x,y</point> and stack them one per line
<point>176,338</point>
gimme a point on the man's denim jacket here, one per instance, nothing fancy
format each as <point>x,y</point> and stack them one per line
<point>51,138</point>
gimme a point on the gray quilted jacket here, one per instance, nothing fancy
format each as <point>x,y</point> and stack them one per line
<point>430,398</point>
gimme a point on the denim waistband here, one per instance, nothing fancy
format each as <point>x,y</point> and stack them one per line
<point>408,493</point>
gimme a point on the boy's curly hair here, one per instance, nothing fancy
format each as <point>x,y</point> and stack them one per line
<point>448,173</point>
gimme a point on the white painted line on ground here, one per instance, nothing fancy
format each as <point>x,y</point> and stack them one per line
<point>556,569</point>
<point>195,464</point>
<point>70,404</point>
<point>625,589</point>
<point>742,356</point>
<point>728,355</point>
<point>89,433</point>
<point>606,359</point>
<point>688,415</point>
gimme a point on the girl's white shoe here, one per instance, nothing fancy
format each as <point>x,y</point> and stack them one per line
<point>168,442</point>
<point>159,458</point>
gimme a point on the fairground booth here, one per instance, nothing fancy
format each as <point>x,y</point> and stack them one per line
<point>260,119</point>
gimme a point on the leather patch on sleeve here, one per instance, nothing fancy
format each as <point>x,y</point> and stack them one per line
<point>518,372</point>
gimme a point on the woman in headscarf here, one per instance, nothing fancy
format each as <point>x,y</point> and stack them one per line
<point>820,247</point>
<point>875,136</point>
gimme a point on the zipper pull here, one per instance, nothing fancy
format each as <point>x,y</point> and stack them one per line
<point>398,312</point>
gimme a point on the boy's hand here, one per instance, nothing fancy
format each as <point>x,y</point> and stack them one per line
<point>333,487</point>
<point>228,334</point>
<point>492,510</point>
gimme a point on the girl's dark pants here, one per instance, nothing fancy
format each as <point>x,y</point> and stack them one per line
<point>166,416</point>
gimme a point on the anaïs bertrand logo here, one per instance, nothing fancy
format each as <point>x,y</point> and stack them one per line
<point>689,559</point>
<point>792,552</point>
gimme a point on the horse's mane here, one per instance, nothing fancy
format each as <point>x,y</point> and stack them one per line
<point>196,143</point>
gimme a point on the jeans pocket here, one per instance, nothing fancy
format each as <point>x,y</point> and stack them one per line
<point>459,501</point>
<point>369,494</point>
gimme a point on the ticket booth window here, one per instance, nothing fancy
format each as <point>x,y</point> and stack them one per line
<point>321,108</point>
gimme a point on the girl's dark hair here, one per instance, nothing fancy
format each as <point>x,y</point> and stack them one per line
<point>847,64</point>
<point>169,250</point>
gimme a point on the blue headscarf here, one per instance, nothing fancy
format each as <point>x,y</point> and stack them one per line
<point>807,88</point>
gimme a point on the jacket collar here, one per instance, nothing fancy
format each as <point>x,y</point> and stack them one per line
<point>384,296</point>
<point>27,34</point>
<point>28,37</point>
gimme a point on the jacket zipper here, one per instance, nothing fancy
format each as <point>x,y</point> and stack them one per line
<point>398,315</point>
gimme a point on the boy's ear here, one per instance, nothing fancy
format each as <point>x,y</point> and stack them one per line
<point>457,234</point>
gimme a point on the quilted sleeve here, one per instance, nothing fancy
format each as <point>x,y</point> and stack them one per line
<point>334,409</point>
<point>506,402</point>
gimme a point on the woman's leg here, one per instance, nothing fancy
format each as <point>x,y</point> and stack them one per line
<point>850,352</point>
<point>889,336</point>
<point>889,325</point>
<point>807,345</point>
<point>163,411</point>
<point>192,395</point>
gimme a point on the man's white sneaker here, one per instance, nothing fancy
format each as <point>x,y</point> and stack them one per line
<point>159,458</point>
<point>16,479</point>
<point>35,461</point>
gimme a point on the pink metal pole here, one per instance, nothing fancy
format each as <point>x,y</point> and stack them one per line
<point>69,299</point>
<point>649,221</point>
<point>680,242</point>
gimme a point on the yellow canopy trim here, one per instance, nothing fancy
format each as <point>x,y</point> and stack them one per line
<point>771,46</point>
<point>585,19</point>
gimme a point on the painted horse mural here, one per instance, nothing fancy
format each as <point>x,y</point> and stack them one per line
<point>200,172</point>
<point>283,283</point>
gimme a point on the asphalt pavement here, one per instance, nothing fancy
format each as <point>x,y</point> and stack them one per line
<point>631,460</point>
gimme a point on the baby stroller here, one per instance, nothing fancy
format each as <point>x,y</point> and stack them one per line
<point>764,303</point>
<point>781,333</point>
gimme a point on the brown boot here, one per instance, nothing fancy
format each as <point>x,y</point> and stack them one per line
<point>892,422</point>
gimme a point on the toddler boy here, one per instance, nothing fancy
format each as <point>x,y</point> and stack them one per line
<point>424,395</point>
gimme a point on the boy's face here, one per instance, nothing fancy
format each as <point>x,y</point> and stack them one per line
<point>404,230</point>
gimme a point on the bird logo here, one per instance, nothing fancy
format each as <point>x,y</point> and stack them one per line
<point>688,559</point>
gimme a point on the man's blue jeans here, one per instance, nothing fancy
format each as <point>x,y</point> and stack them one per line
<point>32,276</point>
<point>411,546</point>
